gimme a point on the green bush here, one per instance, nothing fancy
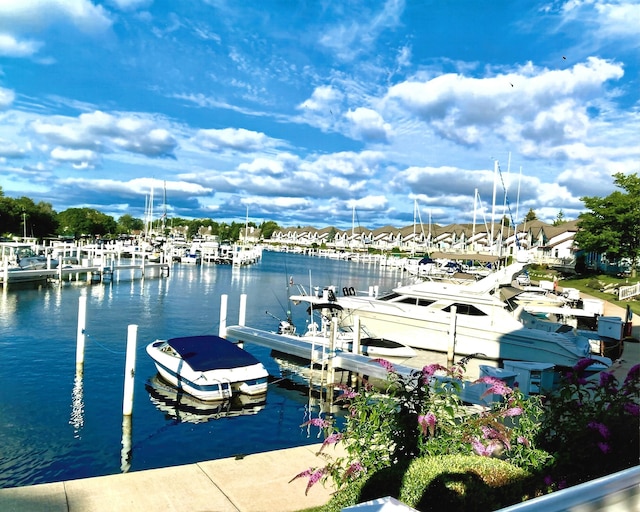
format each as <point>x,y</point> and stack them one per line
<point>448,482</point>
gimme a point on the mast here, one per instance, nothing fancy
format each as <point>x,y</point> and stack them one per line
<point>473,231</point>
<point>493,208</point>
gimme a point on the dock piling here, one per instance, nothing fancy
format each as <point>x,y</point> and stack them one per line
<point>81,333</point>
<point>129,370</point>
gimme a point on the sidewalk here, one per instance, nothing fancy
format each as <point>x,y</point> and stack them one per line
<point>255,483</point>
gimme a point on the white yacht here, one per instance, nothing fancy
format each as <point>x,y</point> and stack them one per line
<point>422,316</point>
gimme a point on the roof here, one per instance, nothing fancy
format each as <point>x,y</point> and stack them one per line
<point>204,353</point>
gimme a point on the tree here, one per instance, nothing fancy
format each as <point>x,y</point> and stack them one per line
<point>559,219</point>
<point>267,228</point>
<point>612,224</point>
<point>128,224</point>
<point>21,216</point>
<point>531,215</point>
<point>85,222</point>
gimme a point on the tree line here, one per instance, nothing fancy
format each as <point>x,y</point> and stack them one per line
<point>23,217</point>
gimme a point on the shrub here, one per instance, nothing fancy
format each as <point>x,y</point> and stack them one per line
<point>446,482</point>
<point>591,426</point>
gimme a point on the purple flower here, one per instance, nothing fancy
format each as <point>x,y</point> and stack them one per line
<point>316,422</point>
<point>633,375</point>
<point>548,480</point>
<point>633,409</point>
<point>481,449</point>
<point>524,441</point>
<point>332,439</point>
<point>607,380</point>
<point>385,364</point>
<point>583,364</point>
<point>496,386</point>
<point>313,474</point>
<point>604,447</point>
<point>431,369</point>
<point>513,411</point>
<point>600,427</point>
<point>347,394</point>
<point>353,470</point>
<point>427,421</point>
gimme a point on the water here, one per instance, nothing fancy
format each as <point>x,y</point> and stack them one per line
<point>54,427</point>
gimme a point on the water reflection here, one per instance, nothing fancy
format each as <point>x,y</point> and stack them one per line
<point>77,406</point>
<point>182,407</point>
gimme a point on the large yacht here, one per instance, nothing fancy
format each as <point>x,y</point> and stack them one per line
<point>466,319</point>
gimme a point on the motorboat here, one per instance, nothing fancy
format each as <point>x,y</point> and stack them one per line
<point>208,367</point>
<point>346,338</point>
<point>466,319</point>
<point>182,407</point>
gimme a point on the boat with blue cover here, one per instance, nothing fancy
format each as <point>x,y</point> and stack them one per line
<point>208,367</point>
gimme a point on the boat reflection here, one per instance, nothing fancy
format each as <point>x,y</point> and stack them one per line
<point>182,407</point>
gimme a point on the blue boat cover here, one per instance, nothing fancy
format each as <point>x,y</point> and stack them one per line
<point>204,353</point>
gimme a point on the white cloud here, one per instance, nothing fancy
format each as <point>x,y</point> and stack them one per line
<point>237,139</point>
<point>6,97</point>
<point>368,125</point>
<point>19,15</point>
<point>75,156</point>
<point>11,47</point>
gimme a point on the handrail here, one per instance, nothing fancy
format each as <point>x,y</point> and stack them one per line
<point>618,491</point>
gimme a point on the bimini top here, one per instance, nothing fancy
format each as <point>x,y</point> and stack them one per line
<point>204,353</point>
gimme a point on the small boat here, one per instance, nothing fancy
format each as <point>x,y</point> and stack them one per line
<point>208,367</point>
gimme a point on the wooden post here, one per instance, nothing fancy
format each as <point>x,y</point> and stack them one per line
<point>81,333</point>
<point>452,336</point>
<point>129,370</point>
<point>222,331</point>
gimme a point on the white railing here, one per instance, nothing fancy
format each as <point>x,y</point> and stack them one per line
<point>626,292</point>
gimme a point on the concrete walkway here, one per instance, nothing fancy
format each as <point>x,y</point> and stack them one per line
<point>255,483</point>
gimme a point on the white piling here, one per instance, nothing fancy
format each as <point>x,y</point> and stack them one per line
<point>452,336</point>
<point>242,315</point>
<point>222,331</point>
<point>81,333</point>
<point>129,370</point>
<point>356,335</point>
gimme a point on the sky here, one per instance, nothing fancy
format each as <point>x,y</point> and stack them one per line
<point>319,113</point>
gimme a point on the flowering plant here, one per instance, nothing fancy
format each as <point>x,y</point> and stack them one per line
<point>421,415</point>
<point>592,425</point>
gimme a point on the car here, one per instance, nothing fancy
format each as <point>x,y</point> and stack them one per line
<point>523,279</point>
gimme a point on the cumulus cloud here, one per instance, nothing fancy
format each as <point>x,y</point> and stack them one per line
<point>79,157</point>
<point>322,99</point>
<point>538,105</point>
<point>237,139</point>
<point>104,132</point>
<point>368,125</point>
<point>346,163</point>
<point>10,149</point>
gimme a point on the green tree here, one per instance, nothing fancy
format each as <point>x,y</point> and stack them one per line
<point>85,222</point>
<point>128,224</point>
<point>612,224</point>
<point>559,219</point>
<point>267,228</point>
<point>531,215</point>
<point>21,216</point>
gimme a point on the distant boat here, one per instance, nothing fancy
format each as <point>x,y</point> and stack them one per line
<point>208,367</point>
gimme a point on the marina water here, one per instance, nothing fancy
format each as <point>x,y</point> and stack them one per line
<point>56,427</point>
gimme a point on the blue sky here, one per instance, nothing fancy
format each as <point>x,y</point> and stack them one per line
<point>303,112</point>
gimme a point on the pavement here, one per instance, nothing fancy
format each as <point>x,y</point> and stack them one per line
<point>255,483</point>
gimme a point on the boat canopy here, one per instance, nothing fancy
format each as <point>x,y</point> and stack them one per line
<point>209,352</point>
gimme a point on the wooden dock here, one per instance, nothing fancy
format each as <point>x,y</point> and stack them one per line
<point>94,273</point>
